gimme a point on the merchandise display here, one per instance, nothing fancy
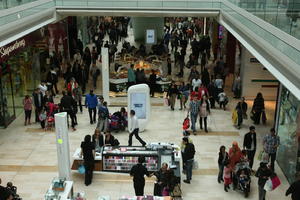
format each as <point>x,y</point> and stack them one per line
<point>60,189</point>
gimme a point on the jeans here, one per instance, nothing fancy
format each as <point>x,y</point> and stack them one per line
<point>221,169</point>
<point>251,154</point>
<point>261,193</point>
<point>194,120</point>
<point>27,115</point>
<point>92,117</point>
<point>135,132</point>
<point>272,156</point>
<point>189,169</point>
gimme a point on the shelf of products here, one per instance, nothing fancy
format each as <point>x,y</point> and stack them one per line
<point>122,159</point>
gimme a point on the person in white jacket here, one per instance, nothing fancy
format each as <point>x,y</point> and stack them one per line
<point>134,129</point>
<point>43,88</point>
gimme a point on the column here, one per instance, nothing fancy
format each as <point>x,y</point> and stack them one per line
<point>62,145</point>
<point>105,74</point>
<point>230,52</point>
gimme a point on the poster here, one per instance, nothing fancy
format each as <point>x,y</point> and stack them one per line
<point>138,104</point>
<point>150,36</point>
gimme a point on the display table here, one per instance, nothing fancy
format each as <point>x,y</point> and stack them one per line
<point>67,193</point>
<point>117,84</point>
<point>77,160</point>
<point>163,85</point>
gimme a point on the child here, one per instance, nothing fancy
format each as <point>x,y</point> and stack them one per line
<point>223,100</point>
<point>227,177</point>
<point>243,180</point>
<point>42,118</point>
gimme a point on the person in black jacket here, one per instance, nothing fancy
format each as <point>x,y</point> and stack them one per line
<point>152,83</point>
<point>138,172</point>
<point>294,189</point>
<point>88,152</point>
<point>188,159</point>
<point>222,160</point>
<point>67,104</point>
<point>250,144</point>
<point>263,173</point>
<point>38,102</point>
<point>258,107</point>
<point>172,95</point>
<point>162,179</point>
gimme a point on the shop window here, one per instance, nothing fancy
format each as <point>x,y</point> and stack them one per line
<point>288,130</point>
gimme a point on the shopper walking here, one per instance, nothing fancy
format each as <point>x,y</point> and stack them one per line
<point>152,83</point>
<point>172,95</point>
<point>222,160</point>
<point>95,72</point>
<point>249,145</point>
<point>67,104</point>
<point>103,115</point>
<point>38,103</point>
<point>138,172</point>
<point>262,173</point>
<point>134,129</point>
<point>27,103</point>
<point>294,188</point>
<point>204,112</point>
<point>194,112</point>
<point>271,142</point>
<point>188,159</point>
<point>88,152</point>
<point>258,107</point>
<point>91,102</point>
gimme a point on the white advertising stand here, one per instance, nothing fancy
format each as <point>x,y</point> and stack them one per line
<point>62,144</point>
<point>139,101</point>
<point>105,74</point>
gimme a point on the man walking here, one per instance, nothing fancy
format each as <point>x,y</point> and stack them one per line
<point>250,144</point>
<point>91,103</point>
<point>67,104</point>
<point>134,129</point>
<point>131,76</point>
<point>138,172</point>
<point>38,103</point>
<point>188,159</point>
<point>194,112</point>
<point>103,115</point>
<point>271,142</point>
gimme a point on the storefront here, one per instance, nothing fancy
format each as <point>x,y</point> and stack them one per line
<point>23,64</point>
<point>288,128</point>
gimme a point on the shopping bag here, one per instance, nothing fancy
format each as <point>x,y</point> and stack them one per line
<point>234,117</point>
<point>268,185</point>
<point>260,155</point>
<point>265,157</point>
<point>81,169</point>
<point>275,182</point>
<point>186,123</point>
<point>165,192</point>
<point>195,165</point>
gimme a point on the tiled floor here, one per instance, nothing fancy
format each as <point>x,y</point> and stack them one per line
<point>28,158</point>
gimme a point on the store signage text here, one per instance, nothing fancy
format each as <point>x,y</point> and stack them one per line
<point>5,51</point>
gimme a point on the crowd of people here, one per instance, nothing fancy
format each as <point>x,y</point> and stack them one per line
<point>9,192</point>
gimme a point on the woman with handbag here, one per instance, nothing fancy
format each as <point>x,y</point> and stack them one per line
<point>88,152</point>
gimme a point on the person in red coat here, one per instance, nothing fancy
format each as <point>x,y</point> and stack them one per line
<point>202,91</point>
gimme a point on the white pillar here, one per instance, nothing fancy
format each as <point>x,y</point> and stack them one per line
<point>204,29</point>
<point>62,145</point>
<point>105,74</point>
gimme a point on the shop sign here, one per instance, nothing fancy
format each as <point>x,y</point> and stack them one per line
<point>13,48</point>
<point>7,50</point>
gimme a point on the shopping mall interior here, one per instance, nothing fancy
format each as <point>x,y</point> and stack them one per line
<point>235,63</point>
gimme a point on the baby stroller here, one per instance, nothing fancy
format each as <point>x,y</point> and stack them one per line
<point>117,122</point>
<point>242,177</point>
<point>51,109</point>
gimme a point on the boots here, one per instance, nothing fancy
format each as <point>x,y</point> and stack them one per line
<point>225,188</point>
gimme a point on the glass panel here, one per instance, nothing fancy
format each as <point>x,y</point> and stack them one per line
<point>7,95</point>
<point>288,126</point>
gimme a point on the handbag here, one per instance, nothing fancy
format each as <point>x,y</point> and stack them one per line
<point>268,185</point>
<point>165,192</point>
<point>259,157</point>
<point>81,169</point>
